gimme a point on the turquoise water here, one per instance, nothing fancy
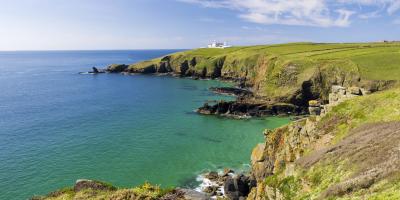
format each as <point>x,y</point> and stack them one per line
<point>57,126</point>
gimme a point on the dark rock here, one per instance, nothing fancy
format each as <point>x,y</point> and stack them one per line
<point>237,187</point>
<point>213,176</point>
<point>193,62</point>
<point>203,73</point>
<point>239,109</point>
<point>314,110</point>
<point>83,184</point>
<point>217,70</point>
<point>184,67</point>
<point>95,70</point>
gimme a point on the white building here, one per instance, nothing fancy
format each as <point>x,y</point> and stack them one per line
<point>216,44</point>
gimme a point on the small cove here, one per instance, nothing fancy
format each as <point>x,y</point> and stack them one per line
<point>58,126</point>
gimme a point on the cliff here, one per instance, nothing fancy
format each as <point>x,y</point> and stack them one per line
<point>287,73</point>
<point>349,148</point>
<point>349,152</point>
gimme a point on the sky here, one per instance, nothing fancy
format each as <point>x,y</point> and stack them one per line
<point>184,24</point>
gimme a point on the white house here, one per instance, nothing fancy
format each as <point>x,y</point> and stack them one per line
<point>216,44</point>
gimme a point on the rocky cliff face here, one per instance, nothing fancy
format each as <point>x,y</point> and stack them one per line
<point>272,78</point>
<point>346,152</point>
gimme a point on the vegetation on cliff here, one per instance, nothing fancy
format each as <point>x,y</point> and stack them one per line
<point>291,73</point>
<point>91,189</point>
<point>351,152</point>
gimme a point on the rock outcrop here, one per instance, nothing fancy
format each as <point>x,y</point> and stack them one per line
<point>238,187</point>
<point>246,109</point>
<point>240,92</point>
<point>227,184</point>
<point>287,144</point>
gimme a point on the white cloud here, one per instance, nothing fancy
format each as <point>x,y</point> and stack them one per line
<point>369,15</point>
<point>320,13</point>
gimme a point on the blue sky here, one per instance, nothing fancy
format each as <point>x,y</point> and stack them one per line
<point>163,24</point>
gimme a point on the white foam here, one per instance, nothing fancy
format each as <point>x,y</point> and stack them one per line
<point>205,183</point>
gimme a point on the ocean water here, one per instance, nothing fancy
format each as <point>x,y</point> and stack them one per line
<point>57,126</point>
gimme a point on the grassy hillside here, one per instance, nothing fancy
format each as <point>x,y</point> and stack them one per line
<point>286,71</point>
<point>350,153</point>
<point>97,190</point>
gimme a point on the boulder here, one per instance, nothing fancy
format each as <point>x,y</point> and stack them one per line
<point>213,176</point>
<point>237,187</point>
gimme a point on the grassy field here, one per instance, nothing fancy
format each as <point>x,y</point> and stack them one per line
<point>376,61</point>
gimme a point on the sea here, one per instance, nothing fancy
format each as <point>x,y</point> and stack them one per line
<point>57,125</point>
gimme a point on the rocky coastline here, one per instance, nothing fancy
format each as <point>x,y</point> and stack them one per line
<point>290,96</point>
<point>226,184</point>
<point>247,104</point>
<point>308,158</point>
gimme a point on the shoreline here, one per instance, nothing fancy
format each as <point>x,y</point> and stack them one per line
<point>293,153</point>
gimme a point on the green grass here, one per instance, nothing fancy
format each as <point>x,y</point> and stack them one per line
<point>378,107</point>
<point>310,183</point>
<point>145,191</point>
<point>266,67</point>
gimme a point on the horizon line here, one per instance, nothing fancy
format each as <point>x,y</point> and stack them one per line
<point>27,50</point>
<point>144,49</point>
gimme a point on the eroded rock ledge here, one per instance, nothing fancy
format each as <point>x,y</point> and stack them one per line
<point>247,109</point>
